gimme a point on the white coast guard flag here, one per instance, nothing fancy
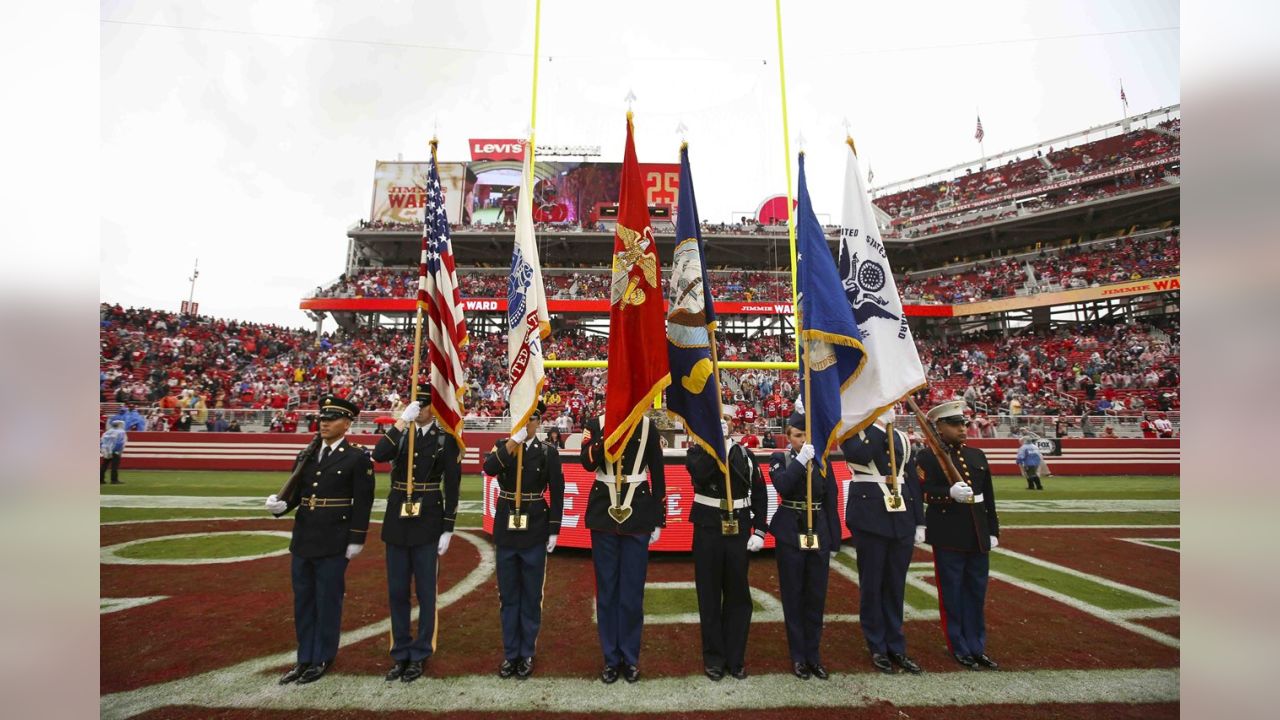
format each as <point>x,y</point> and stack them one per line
<point>527,319</point>
<point>893,368</point>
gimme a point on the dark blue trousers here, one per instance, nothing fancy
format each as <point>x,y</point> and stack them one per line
<point>318,586</point>
<point>621,563</point>
<point>962,594</point>
<point>724,595</point>
<point>882,582</point>
<point>521,576</point>
<point>417,564</point>
<point>802,581</point>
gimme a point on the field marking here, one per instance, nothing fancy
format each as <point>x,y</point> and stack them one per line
<point>1089,506</point>
<point>110,605</point>
<point>1145,594</point>
<point>770,608</point>
<point>110,554</point>
<point>1104,614</point>
<point>1155,543</point>
<point>237,680</point>
<point>1148,613</point>
<point>484,693</point>
<point>1089,527</point>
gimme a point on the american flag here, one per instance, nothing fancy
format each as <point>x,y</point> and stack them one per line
<point>438,294</point>
<point>978,134</point>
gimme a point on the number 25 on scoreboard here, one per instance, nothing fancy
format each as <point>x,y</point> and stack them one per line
<point>661,187</point>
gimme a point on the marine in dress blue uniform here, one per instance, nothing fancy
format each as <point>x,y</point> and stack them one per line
<point>414,544</point>
<point>522,554</point>
<point>884,538</point>
<point>962,527</point>
<point>620,550</point>
<point>333,499</point>
<point>720,561</point>
<point>802,574</point>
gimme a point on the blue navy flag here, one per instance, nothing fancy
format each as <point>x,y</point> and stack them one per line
<point>829,333</point>
<point>694,393</point>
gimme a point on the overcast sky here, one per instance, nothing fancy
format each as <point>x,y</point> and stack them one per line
<point>245,133</point>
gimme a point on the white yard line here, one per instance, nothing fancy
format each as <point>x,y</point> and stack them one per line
<point>486,693</point>
<point>1155,543</point>
<point>110,555</point>
<point>110,605</point>
<point>1145,594</point>
<point>226,503</point>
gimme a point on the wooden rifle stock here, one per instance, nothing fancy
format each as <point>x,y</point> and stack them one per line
<point>296,476</point>
<point>935,443</point>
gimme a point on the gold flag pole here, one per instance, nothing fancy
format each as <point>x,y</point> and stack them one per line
<point>808,540</point>
<point>895,496</point>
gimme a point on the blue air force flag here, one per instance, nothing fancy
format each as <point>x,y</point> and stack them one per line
<point>694,393</point>
<point>893,368</point>
<point>829,334</point>
<point>527,319</point>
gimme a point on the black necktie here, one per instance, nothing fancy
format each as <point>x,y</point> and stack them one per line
<point>324,454</point>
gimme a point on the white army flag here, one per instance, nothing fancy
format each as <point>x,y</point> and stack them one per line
<point>893,369</point>
<point>527,319</point>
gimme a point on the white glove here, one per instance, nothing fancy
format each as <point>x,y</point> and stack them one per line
<point>444,543</point>
<point>275,505</point>
<point>353,550</point>
<point>919,534</point>
<point>887,417</point>
<point>411,413</point>
<point>995,542</point>
<point>799,406</point>
<point>961,492</point>
<point>654,537</point>
<point>805,455</point>
<point>755,543</point>
<point>551,543</point>
<point>520,435</point>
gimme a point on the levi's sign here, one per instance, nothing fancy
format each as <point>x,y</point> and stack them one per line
<point>513,149</point>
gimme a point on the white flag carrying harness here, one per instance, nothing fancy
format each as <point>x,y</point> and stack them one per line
<point>604,473</point>
<point>870,473</point>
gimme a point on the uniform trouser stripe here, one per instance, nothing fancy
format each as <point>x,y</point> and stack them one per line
<point>417,565</point>
<point>521,576</point>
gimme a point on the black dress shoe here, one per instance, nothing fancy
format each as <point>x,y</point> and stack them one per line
<point>413,672</point>
<point>967,661</point>
<point>314,673</point>
<point>881,663</point>
<point>800,670</point>
<point>738,673</point>
<point>631,673</point>
<point>524,668</point>
<point>819,671</point>
<point>609,675</point>
<point>715,673</point>
<point>905,663</point>
<point>397,670</point>
<point>507,669</point>
<point>983,660</point>
<point>294,674</point>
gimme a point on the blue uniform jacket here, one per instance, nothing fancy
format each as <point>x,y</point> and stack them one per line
<point>788,479</point>
<point>865,510</point>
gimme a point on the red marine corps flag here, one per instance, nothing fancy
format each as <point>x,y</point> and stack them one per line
<point>638,368</point>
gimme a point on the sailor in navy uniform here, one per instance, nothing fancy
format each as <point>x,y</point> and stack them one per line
<point>719,560</point>
<point>884,538</point>
<point>802,574</point>
<point>414,544</point>
<point>333,498</point>
<point>620,545</point>
<point>522,553</point>
<point>962,527</point>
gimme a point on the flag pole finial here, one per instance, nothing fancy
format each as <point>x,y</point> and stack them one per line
<point>683,131</point>
<point>629,99</point>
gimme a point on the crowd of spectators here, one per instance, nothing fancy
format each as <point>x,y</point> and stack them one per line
<point>178,373</point>
<point>1119,260</point>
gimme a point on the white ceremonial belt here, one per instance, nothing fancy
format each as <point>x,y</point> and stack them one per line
<point>870,478</point>
<point>861,469</point>
<point>627,479</point>
<point>738,504</point>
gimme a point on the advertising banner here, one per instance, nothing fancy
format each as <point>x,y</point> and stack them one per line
<point>400,191</point>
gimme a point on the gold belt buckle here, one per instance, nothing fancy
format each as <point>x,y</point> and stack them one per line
<point>312,504</point>
<point>809,541</point>
<point>729,526</point>
<point>517,521</point>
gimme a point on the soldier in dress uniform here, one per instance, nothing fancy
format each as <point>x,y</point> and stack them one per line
<point>883,537</point>
<point>414,544</point>
<point>334,498</point>
<point>719,560</point>
<point>962,527</point>
<point>623,525</point>
<point>802,574</point>
<point>522,553</point>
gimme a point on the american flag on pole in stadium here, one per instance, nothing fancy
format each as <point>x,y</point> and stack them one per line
<point>978,134</point>
<point>438,294</point>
